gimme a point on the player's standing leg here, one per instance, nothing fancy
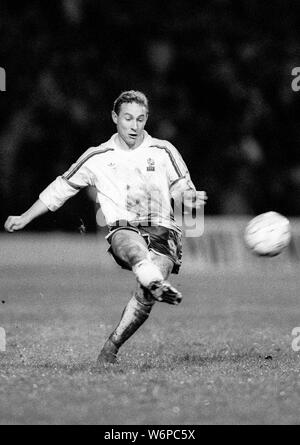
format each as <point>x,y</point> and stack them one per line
<point>136,312</point>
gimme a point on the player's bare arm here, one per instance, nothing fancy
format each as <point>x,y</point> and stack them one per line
<point>14,223</point>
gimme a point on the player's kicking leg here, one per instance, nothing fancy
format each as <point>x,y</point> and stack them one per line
<point>131,248</point>
<point>151,275</point>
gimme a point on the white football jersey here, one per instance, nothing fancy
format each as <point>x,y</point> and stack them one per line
<point>133,185</point>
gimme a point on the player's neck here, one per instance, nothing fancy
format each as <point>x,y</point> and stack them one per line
<point>124,146</point>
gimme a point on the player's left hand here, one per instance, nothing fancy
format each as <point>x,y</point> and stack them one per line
<point>194,199</point>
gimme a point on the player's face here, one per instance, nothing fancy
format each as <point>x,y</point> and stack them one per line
<point>130,123</point>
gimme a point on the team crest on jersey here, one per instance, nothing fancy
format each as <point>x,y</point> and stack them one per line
<point>151,165</point>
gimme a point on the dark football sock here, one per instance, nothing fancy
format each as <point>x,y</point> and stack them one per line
<point>133,316</point>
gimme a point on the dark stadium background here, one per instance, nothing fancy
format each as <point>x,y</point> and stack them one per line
<point>217,73</point>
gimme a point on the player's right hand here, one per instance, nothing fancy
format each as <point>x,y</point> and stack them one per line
<point>15,223</point>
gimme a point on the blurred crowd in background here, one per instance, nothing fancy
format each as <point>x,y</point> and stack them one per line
<point>217,74</point>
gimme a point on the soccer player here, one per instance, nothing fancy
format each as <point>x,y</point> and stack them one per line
<point>138,180</point>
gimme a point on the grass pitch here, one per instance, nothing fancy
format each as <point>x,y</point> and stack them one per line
<point>223,356</point>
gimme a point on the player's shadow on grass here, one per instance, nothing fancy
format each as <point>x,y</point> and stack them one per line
<point>220,357</point>
<point>171,362</point>
<point>199,359</point>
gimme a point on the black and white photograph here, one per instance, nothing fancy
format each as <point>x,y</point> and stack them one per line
<point>150,215</point>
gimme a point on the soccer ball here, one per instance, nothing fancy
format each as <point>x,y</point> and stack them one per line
<point>268,234</point>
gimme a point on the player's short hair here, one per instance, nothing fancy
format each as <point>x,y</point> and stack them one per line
<point>128,97</point>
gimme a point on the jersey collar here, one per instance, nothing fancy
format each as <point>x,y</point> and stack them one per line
<point>145,142</point>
